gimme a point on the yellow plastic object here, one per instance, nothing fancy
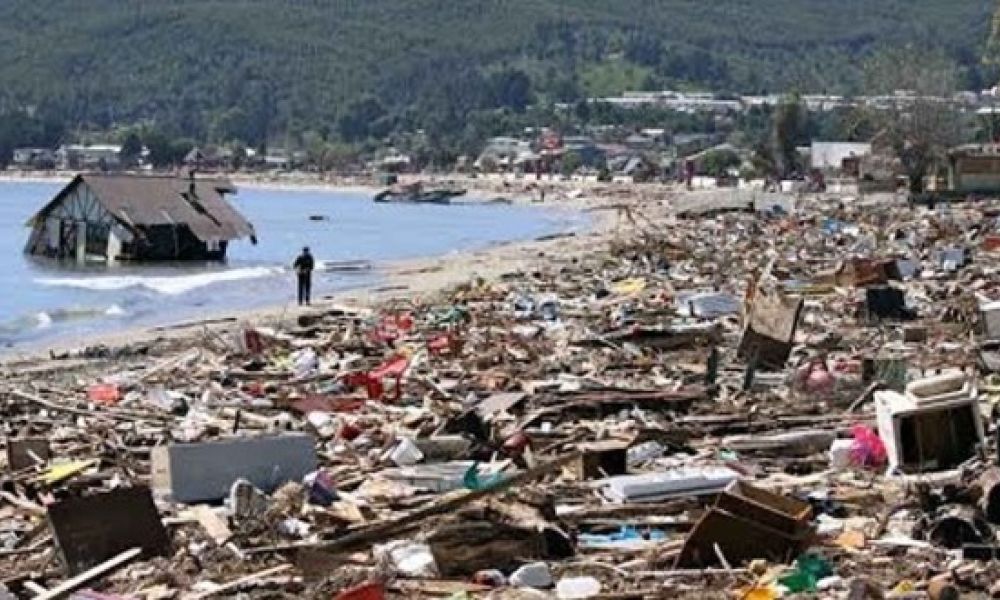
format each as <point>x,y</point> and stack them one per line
<point>904,587</point>
<point>63,471</point>
<point>629,286</point>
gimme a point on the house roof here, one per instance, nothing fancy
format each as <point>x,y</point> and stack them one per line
<point>194,155</point>
<point>139,201</point>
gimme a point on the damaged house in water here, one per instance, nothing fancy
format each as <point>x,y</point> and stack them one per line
<point>108,217</point>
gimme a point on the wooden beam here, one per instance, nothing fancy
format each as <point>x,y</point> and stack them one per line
<point>386,529</point>
<point>236,584</point>
<point>71,585</point>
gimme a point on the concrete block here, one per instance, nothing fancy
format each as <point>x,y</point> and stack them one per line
<point>205,471</point>
<point>677,483</point>
<point>989,321</point>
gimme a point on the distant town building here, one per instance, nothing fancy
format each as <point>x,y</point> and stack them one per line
<point>690,102</point>
<point>838,156</point>
<point>974,168</point>
<point>501,153</point>
<point>33,158</point>
<point>638,141</point>
<point>591,155</point>
<point>280,158</point>
<point>102,157</point>
<point>210,158</point>
<point>393,162</point>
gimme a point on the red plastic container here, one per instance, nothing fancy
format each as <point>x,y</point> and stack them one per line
<point>104,393</point>
<point>366,591</point>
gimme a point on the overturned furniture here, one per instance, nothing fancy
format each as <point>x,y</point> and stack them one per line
<point>747,523</point>
<point>770,321</point>
<point>101,217</point>
<point>935,425</point>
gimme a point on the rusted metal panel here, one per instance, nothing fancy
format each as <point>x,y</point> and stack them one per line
<point>92,529</point>
<point>20,451</point>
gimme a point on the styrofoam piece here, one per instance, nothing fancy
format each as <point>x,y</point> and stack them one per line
<point>840,453</point>
<point>406,453</point>
<point>439,477</point>
<point>652,487</point>
<point>947,386</point>
<point>575,588</point>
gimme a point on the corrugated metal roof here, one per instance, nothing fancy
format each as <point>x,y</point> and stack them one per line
<point>149,200</point>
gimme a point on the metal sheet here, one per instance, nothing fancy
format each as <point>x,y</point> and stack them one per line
<point>92,529</point>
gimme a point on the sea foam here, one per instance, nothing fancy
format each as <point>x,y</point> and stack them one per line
<point>172,285</point>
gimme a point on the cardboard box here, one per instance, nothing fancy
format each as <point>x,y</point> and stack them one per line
<point>602,459</point>
<point>747,523</point>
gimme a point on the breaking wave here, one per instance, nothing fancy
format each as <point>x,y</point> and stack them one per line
<point>171,285</point>
<point>48,318</point>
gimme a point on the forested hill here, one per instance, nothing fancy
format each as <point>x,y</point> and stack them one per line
<point>236,69</point>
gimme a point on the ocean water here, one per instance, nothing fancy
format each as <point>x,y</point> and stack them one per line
<point>44,301</point>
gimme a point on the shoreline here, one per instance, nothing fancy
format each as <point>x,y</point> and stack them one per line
<point>514,188</point>
<point>402,278</point>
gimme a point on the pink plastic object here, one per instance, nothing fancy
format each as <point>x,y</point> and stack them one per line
<point>868,449</point>
<point>818,378</point>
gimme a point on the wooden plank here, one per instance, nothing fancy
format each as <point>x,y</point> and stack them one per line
<point>214,525</point>
<point>71,585</point>
<point>388,528</point>
<point>238,583</point>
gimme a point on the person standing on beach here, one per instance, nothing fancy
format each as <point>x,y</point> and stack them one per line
<point>303,268</point>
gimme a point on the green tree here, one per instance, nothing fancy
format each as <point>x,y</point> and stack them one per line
<point>917,118</point>
<point>571,161</point>
<point>360,118</point>
<point>788,131</point>
<point>131,150</point>
<point>510,88</point>
<point>159,147</point>
<point>239,155</point>
<point>165,151</point>
<point>717,163</point>
<point>233,124</point>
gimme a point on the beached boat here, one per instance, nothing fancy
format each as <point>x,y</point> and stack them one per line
<point>415,193</point>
